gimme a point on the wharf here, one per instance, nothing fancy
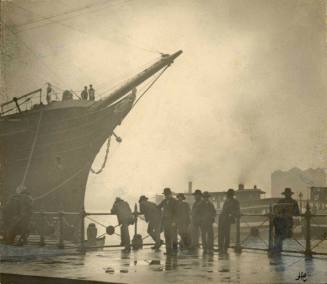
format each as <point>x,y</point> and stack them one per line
<point>147,266</point>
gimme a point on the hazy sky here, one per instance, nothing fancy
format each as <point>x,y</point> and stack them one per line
<point>245,98</point>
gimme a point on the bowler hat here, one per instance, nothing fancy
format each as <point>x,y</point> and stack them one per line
<point>287,191</point>
<point>143,198</point>
<point>206,194</point>
<point>167,190</point>
<point>197,191</point>
<point>230,191</point>
<point>181,195</point>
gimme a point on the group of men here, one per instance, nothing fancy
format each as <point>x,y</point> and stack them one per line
<point>88,94</point>
<point>175,217</point>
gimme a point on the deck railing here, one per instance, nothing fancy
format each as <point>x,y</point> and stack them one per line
<point>239,244</point>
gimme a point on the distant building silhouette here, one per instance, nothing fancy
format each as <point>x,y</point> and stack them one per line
<point>299,180</point>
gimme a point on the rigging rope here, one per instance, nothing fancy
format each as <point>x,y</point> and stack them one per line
<point>104,160</point>
<point>32,148</point>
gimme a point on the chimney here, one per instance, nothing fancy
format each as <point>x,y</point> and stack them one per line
<point>241,186</point>
<point>189,187</point>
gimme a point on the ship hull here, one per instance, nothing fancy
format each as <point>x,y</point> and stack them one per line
<point>51,151</point>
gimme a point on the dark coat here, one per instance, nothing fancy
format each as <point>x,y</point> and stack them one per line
<point>231,209</point>
<point>207,212</point>
<point>152,213</point>
<point>123,211</point>
<point>169,210</point>
<point>183,213</point>
<point>196,212</point>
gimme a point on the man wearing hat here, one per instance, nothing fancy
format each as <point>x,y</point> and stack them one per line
<point>284,211</point>
<point>17,215</point>
<point>169,212</point>
<point>183,221</point>
<point>196,218</point>
<point>152,215</point>
<point>208,215</point>
<point>230,211</point>
<point>125,218</point>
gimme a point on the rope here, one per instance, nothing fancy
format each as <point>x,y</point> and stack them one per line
<point>61,184</point>
<point>32,148</point>
<point>97,222</point>
<point>104,160</point>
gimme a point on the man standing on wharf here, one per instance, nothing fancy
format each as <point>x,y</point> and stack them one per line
<point>169,210</point>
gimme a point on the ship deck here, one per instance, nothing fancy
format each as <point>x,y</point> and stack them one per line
<point>147,266</point>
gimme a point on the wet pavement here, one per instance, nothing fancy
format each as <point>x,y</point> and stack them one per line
<point>147,266</point>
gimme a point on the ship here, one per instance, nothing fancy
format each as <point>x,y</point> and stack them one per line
<point>50,148</point>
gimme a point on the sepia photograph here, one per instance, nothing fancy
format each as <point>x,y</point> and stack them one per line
<point>163,141</point>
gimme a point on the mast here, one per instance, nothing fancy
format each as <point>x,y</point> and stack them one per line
<point>165,61</point>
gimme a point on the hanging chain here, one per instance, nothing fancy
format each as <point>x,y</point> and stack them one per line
<point>105,159</point>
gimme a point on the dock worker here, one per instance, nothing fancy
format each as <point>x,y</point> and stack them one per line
<point>183,221</point>
<point>196,218</point>
<point>152,215</point>
<point>17,215</point>
<point>169,211</point>
<point>91,93</point>
<point>230,211</point>
<point>208,215</point>
<point>284,211</point>
<point>84,94</point>
<point>125,218</point>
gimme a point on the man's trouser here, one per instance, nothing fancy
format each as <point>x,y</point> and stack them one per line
<point>170,233</point>
<point>207,237</point>
<point>184,233</point>
<point>154,229</point>
<point>223,233</point>
<point>195,234</point>
<point>124,235</point>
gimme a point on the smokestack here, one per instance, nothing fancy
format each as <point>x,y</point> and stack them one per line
<point>190,187</point>
<point>241,186</point>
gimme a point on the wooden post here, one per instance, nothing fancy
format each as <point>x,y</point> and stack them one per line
<point>307,216</point>
<point>42,225</point>
<point>82,236</point>
<point>61,231</point>
<point>238,247</point>
<point>270,232</point>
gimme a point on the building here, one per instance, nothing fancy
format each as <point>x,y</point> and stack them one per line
<point>299,180</point>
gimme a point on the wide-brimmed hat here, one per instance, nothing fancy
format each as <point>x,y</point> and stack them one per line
<point>230,191</point>
<point>166,190</point>
<point>287,191</point>
<point>206,194</point>
<point>181,195</point>
<point>143,198</point>
<point>197,192</point>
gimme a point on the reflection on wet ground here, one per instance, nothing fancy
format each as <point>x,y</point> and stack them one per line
<point>147,266</point>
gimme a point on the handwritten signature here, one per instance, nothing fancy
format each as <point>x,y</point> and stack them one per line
<point>302,276</point>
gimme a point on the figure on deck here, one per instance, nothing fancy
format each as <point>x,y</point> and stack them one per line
<point>208,215</point>
<point>284,211</point>
<point>91,93</point>
<point>84,94</point>
<point>17,215</point>
<point>169,211</point>
<point>152,215</point>
<point>125,218</point>
<point>49,93</point>
<point>196,218</point>
<point>230,211</point>
<point>183,221</point>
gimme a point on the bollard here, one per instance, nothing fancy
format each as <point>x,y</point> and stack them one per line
<point>238,247</point>
<point>307,216</point>
<point>82,219</point>
<point>42,225</point>
<point>61,231</point>
<point>270,232</point>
